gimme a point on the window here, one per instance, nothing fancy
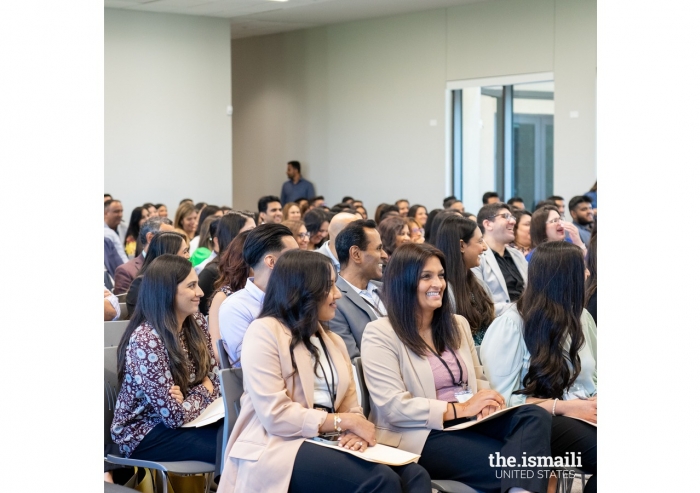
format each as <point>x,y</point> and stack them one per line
<point>502,138</point>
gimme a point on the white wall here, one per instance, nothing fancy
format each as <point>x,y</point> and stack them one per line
<point>352,101</point>
<point>167,86</point>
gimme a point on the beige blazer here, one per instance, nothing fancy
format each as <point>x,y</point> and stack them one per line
<point>404,404</point>
<point>277,407</point>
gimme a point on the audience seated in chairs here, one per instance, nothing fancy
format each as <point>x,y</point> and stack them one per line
<point>167,370</point>
<point>298,384</point>
<point>420,213</point>
<point>291,212</point>
<point>170,242</point>
<point>545,347</point>
<point>462,243</point>
<point>336,225</point>
<point>111,308</point>
<point>417,363</point>
<point>138,217</point>
<point>592,280</point>
<point>298,229</point>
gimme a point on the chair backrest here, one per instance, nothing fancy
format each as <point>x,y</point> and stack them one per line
<point>111,384</point>
<point>124,315</point>
<point>363,387</point>
<point>224,362</point>
<point>231,380</point>
<point>114,332</point>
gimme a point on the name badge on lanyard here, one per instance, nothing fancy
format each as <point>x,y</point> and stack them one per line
<point>464,395</point>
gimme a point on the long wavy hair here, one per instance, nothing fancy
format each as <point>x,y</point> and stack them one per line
<point>401,279</point>
<point>551,308</point>
<point>299,283</point>
<point>471,301</point>
<point>233,271</point>
<point>156,305</point>
<point>538,225</point>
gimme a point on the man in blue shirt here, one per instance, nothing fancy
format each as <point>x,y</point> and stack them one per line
<point>261,250</point>
<point>297,187</point>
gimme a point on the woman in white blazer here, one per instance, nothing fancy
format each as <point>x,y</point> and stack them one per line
<point>418,360</point>
<point>298,384</point>
<point>544,347</point>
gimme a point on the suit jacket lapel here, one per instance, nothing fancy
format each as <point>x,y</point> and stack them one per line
<point>352,295</point>
<point>493,264</point>
<point>305,368</point>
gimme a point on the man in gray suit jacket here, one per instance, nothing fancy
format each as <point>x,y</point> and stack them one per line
<point>361,257</point>
<point>503,269</point>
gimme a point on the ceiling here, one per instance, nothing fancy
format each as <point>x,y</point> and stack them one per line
<point>259,17</point>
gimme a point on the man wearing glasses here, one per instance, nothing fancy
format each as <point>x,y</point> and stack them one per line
<point>502,269</point>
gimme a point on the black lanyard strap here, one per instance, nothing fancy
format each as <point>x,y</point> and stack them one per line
<point>331,393</point>
<point>461,375</point>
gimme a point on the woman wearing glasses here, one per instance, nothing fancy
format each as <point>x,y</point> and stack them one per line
<point>547,225</point>
<point>299,384</point>
<point>416,231</point>
<point>301,235</point>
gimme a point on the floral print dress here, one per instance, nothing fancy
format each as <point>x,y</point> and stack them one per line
<point>144,399</point>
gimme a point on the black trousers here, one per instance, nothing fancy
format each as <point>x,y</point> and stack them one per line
<point>469,456</point>
<point>166,444</point>
<point>319,468</point>
<point>571,435</point>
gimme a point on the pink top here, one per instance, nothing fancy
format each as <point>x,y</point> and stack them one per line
<point>443,381</point>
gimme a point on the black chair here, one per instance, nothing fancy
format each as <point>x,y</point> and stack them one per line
<point>111,385</point>
<point>444,486</point>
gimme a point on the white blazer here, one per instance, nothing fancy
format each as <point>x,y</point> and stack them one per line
<point>489,272</point>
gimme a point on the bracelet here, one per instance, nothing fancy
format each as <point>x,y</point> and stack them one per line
<point>554,407</point>
<point>454,410</point>
<point>336,423</point>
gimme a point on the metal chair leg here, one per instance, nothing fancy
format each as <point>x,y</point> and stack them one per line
<point>164,478</point>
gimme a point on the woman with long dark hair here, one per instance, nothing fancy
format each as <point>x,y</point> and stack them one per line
<point>162,242</point>
<point>166,370</point>
<point>138,216</point>
<point>543,349</point>
<point>233,273</point>
<point>299,384</point>
<point>461,241</point>
<point>423,375</point>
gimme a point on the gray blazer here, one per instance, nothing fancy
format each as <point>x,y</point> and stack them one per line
<point>489,272</point>
<point>404,404</point>
<point>351,316</point>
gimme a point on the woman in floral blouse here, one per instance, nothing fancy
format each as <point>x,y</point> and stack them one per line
<point>167,370</point>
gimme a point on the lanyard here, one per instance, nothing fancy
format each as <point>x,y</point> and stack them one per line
<point>461,375</point>
<point>332,386</point>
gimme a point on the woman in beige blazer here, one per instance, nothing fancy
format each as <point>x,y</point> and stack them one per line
<point>298,384</point>
<point>419,361</point>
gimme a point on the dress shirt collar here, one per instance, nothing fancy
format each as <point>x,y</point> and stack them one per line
<point>255,292</point>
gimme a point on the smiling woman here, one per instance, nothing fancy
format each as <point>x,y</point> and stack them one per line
<point>423,375</point>
<point>167,370</point>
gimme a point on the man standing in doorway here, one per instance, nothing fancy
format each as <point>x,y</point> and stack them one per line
<point>297,187</point>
